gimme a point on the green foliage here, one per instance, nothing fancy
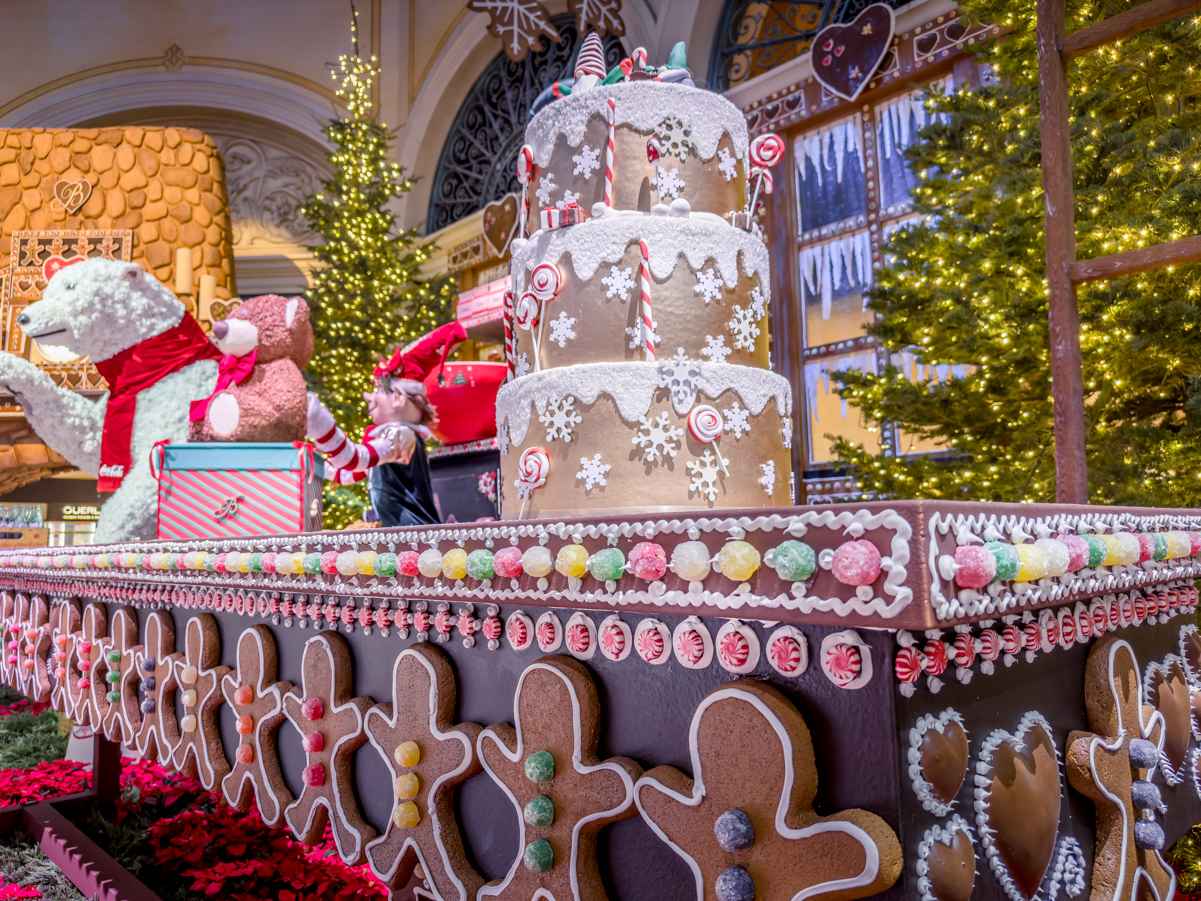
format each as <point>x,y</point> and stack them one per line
<point>27,739</point>
<point>24,864</point>
<point>969,286</point>
<point>366,295</point>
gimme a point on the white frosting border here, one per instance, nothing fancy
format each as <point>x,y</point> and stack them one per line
<point>642,105</point>
<point>921,786</point>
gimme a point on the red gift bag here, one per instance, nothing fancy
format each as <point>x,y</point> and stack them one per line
<point>465,397</point>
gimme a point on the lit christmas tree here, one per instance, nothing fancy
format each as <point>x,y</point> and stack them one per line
<point>968,286</point>
<point>366,296</point>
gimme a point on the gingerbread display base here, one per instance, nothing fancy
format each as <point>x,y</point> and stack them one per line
<point>907,700</point>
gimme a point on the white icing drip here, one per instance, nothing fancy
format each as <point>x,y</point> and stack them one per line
<point>699,237</point>
<point>642,105</point>
<point>633,387</point>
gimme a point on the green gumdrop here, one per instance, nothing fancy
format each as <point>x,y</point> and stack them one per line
<point>793,561</point>
<point>479,564</point>
<point>113,677</point>
<point>1161,546</point>
<point>113,697</point>
<point>678,58</point>
<point>385,565</point>
<point>256,563</point>
<point>1096,549</point>
<point>1006,557</point>
<point>538,856</point>
<point>540,811</point>
<point>607,565</point>
<point>210,563</point>
<point>540,767</point>
<point>114,657</point>
<point>312,564</point>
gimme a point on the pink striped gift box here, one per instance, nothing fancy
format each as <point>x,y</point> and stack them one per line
<point>232,490</point>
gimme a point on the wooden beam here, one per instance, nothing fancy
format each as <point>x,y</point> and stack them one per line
<point>1174,253</point>
<point>1067,389</point>
<point>1132,21</point>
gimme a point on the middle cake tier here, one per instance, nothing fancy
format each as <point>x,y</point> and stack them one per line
<point>708,285</point>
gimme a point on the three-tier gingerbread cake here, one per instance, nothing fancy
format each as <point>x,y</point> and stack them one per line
<point>639,344</point>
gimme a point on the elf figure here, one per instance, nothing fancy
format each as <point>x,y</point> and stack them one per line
<point>392,455</point>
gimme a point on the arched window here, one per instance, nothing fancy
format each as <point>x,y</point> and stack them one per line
<point>757,35</point>
<point>478,160</point>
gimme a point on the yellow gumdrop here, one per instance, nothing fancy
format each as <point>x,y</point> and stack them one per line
<point>1033,562</point>
<point>454,564</point>
<point>572,561</point>
<point>407,786</point>
<point>406,815</point>
<point>1178,544</point>
<point>408,753</point>
<point>738,560</point>
<point>365,563</point>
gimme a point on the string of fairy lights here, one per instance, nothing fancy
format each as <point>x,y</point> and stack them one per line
<point>366,295</point>
<point>968,285</point>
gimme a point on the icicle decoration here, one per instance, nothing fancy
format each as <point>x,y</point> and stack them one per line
<point>819,376</point>
<point>843,261</point>
<point>826,148</point>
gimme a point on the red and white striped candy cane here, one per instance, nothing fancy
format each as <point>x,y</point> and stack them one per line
<point>647,310</point>
<point>510,350</point>
<point>610,148</point>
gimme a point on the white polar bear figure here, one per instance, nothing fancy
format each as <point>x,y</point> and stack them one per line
<point>99,308</point>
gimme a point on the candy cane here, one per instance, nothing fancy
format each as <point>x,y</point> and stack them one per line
<point>610,148</point>
<point>525,172</point>
<point>510,350</point>
<point>647,310</point>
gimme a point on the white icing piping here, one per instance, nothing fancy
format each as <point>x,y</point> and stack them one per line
<point>1163,670</point>
<point>854,523</point>
<point>643,106</point>
<point>633,387</point>
<point>943,835</point>
<point>921,786</point>
<point>699,237</point>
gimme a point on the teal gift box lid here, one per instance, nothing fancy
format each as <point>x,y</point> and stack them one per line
<point>234,455</point>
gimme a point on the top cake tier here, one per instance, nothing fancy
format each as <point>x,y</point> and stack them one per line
<point>670,141</point>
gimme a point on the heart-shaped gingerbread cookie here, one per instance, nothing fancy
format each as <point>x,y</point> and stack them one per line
<point>845,57</point>
<point>72,193</point>
<point>938,757</point>
<point>500,221</point>
<point>950,862</point>
<point>1166,689</point>
<point>1020,794</point>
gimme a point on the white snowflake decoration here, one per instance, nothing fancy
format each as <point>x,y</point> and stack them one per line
<point>743,328</point>
<point>523,365</point>
<point>759,298</point>
<point>715,349</point>
<point>593,472</point>
<point>562,329</point>
<point>727,164</point>
<point>680,376</point>
<point>668,183</point>
<point>546,187</point>
<point>709,284</point>
<point>703,474</point>
<point>634,334</point>
<point>737,419</point>
<point>675,138</point>
<point>569,197</point>
<point>767,476</point>
<point>559,418</point>
<point>586,161</point>
<point>658,439</point>
<point>619,282</point>
<point>786,431</point>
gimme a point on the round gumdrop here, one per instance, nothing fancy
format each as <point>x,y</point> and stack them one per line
<point>975,567</point>
<point>1005,556</point>
<point>856,562</point>
<point>648,561</point>
<point>607,565</point>
<point>406,564</point>
<point>506,563</point>
<point>793,561</point>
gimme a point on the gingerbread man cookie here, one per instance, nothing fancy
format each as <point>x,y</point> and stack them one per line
<point>257,701</point>
<point>199,750</point>
<point>428,757</point>
<point>745,823</point>
<point>1113,765</point>
<point>89,706</point>
<point>64,624</point>
<point>8,619</point>
<point>563,796</point>
<point>158,732</point>
<point>119,652</point>
<point>330,723</point>
<point>33,644</point>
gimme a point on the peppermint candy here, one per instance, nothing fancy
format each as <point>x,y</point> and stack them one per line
<point>526,310</point>
<point>767,150</point>
<point>545,281</point>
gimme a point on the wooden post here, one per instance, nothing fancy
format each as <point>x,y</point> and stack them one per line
<point>1067,388</point>
<point>106,770</point>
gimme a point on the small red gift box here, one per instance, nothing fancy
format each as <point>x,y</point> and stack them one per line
<point>231,490</point>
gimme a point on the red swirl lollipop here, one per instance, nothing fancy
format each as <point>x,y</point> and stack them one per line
<point>766,151</point>
<point>525,312</point>
<point>545,281</point>
<point>706,426</point>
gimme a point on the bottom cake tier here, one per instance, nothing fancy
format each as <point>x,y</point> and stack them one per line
<point>651,436</point>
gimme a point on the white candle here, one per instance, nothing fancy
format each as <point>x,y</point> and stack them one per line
<point>208,293</point>
<point>183,270</point>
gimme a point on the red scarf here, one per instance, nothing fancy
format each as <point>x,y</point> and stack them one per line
<point>134,370</point>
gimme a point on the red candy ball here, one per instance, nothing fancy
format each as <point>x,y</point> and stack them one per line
<point>506,563</point>
<point>406,564</point>
<point>313,709</point>
<point>856,563</point>
<point>976,566</point>
<point>314,775</point>
<point>314,742</point>
<point>648,561</point>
